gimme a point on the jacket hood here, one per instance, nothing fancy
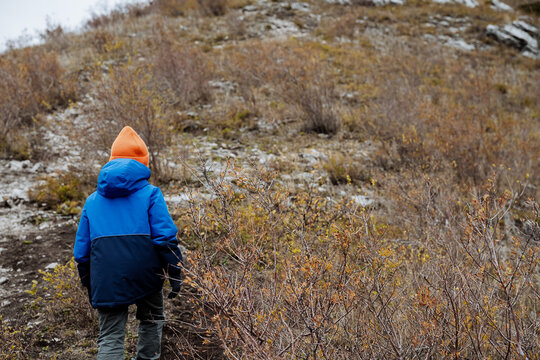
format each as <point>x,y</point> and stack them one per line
<point>121,177</point>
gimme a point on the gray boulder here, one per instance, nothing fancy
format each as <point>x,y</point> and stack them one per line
<point>517,34</point>
<point>500,6</point>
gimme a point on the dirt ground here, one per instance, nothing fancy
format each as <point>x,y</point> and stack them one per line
<point>22,259</point>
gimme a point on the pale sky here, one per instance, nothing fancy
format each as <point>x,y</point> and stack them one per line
<point>30,16</point>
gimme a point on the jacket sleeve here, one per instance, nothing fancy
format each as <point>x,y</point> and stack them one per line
<point>81,250</point>
<point>163,233</point>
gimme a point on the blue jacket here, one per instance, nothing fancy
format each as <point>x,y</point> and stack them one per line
<point>126,238</point>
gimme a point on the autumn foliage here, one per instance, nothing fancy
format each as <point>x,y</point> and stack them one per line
<point>279,276</point>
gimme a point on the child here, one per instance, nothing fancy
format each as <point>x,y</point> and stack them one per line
<point>125,241</point>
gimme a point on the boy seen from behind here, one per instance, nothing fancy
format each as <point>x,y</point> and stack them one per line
<point>125,243</point>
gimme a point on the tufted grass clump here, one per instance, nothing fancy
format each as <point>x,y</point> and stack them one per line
<point>342,169</point>
<point>62,296</point>
<point>64,192</point>
<point>12,341</point>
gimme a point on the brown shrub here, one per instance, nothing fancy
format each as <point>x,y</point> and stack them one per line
<point>33,81</point>
<point>175,7</point>
<point>63,192</point>
<point>181,7</point>
<point>342,169</point>
<point>67,303</point>
<point>439,112</point>
<point>127,96</point>
<point>13,342</point>
<point>55,38</point>
<point>317,105</point>
<point>117,14</point>
<point>108,44</point>
<point>280,276</point>
<point>294,74</point>
<point>212,7</point>
<point>181,73</point>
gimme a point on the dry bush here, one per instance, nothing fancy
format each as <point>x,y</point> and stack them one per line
<point>127,96</point>
<point>236,27</point>
<point>472,254</point>
<point>55,38</point>
<point>212,7</point>
<point>181,72</point>
<point>175,7</point>
<point>117,14</point>
<point>259,64</point>
<point>33,81</point>
<point>317,105</point>
<point>108,45</point>
<point>344,26</point>
<point>61,297</point>
<point>64,192</point>
<point>181,7</point>
<point>292,73</point>
<point>60,305</point>
<point>342,169</point>
<point>439,112</point>
<point>280,276</point>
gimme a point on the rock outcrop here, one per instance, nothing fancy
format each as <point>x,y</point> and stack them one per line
<point>367,2</point>
<point>500,6</point>
<point>468,3</point>
<point>519,35</point>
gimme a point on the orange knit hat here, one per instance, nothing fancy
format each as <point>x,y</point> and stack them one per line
<point>129,145</point>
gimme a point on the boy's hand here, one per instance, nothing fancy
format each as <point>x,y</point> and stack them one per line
<point>175,285</point>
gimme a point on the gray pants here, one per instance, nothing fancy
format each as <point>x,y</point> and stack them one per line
<point>112,328</point>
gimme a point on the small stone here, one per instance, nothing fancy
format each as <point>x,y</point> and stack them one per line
<point>3,280</point>
<point>38,167</point>
<point>51,266</point>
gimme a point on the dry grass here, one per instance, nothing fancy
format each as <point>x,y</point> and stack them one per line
<point>342,169</point>
<point>128,96</point>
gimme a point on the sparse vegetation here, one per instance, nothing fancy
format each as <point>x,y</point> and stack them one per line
<point>33,81</point>
<point>314,278</point>
<point>181,72</point>
<point>343,169</point>
<point>64,192</point>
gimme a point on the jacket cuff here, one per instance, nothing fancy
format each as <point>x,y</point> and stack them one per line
<point>170,258</point>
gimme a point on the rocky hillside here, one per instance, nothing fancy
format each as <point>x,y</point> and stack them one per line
<point>351,178</point>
